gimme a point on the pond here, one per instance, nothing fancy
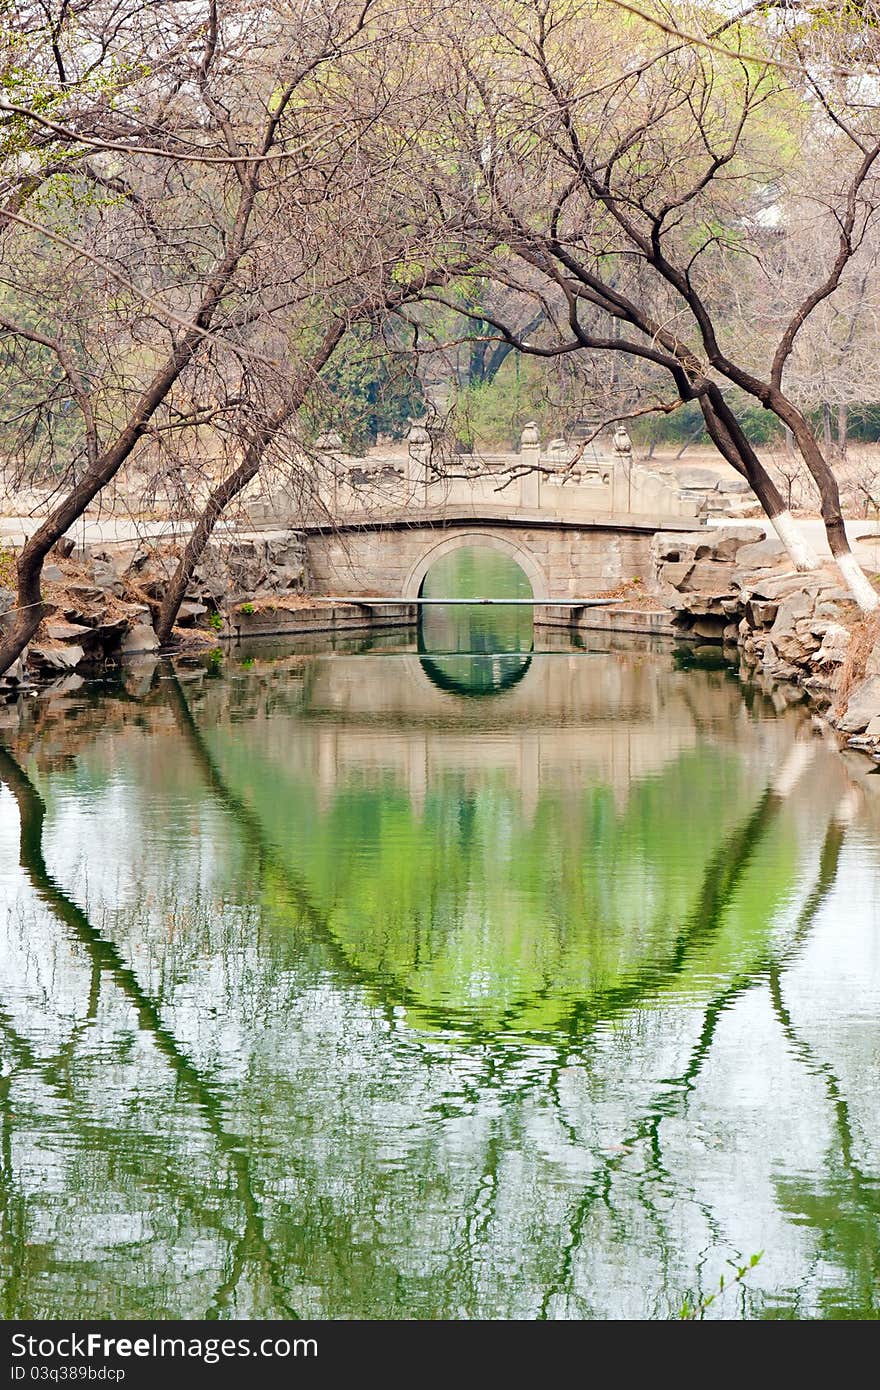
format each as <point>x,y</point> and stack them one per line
<point>331,990</point>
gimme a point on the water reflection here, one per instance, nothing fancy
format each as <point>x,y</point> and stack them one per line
<point>481,649</point>
<point>382,1002</point>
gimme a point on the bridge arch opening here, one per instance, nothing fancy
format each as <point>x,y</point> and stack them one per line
<point>477,540</point>
<point>475,649</point>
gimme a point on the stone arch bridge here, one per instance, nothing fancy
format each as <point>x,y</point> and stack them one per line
<point>562,559</point>
<point>576,521</point>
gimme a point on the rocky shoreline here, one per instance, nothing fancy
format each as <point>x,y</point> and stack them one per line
<point>802,631</point>
<point>103,600</point>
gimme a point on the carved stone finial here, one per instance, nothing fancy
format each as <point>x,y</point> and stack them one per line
<point>531,434</point>
<point>622,442</point>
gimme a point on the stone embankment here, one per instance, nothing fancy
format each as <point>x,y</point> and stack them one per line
<point>802,631</point>
<point>104,601</point>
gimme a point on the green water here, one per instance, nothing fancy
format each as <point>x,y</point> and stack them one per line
<point>330,990</point>
<point>473,650</point>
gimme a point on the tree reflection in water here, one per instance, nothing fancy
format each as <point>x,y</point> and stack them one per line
<point>377,1004</point>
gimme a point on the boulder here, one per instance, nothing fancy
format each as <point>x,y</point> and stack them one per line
<point>60,631</point>
<point>104,639</point>
<point>761,612</point>
<point>54,660</point>
<point>835,641</point>
<point>862,706</point>
<point>16,674</point>
<point>675,572</point>
<point>189,613</point>
<point>762,554</point>
<point>106,577</point>
<point>140,639</point>
<point>87,604</point>
<point>701,479</point>
<point>792,631</point>
<point>710,579</point>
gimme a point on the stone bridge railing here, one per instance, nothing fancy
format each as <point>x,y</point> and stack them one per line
<point>568,481</point>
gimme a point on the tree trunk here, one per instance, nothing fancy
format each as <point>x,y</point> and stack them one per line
<point>217,503</point>
<point>842,429</point>
<point>851,571</point>
<point>107,464</point>
<point>826,428</point>
<point>729,437</point>
<point>691,439</point>
<point>234,483</point>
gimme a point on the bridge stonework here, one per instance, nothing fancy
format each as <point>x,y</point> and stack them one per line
<point>562,560</point>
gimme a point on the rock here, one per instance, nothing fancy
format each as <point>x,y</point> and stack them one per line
<point>791,630</point>
<point>289,577</point>
<point>189,613</point>
<point>675,572</point>
<point>7,602</point>
<point>862,706</point>
<point>776,585</point>
<point>104,639</point>
<point>53,574</point>
<point>761,612</point>
<point>54,660</point>
<point>820,686</point>
<point>710,579</point>
<point>16,674</point>
<point>762,554</point>
<point>835,609</point>
<point>140,639</point>
<point>67,632</point>
<point>106,577</point>
<point>835,641</point>
<point>703,479</point>
<point>784,671</point>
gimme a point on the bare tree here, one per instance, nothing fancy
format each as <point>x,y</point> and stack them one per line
<point>192,218</point>
<point>636,176</point>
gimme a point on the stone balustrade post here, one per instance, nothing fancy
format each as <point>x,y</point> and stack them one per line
<point>330,448</point>
<point>418,460</point>
<point>530,459</point>
<point>621,473</point>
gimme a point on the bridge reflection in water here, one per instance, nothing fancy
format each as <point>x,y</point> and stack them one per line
<point>383,1002</point>
<point>475,651</point>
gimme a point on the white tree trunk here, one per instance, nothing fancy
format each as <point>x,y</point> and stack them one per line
<point>802,555</point>
<point>857,582</point>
